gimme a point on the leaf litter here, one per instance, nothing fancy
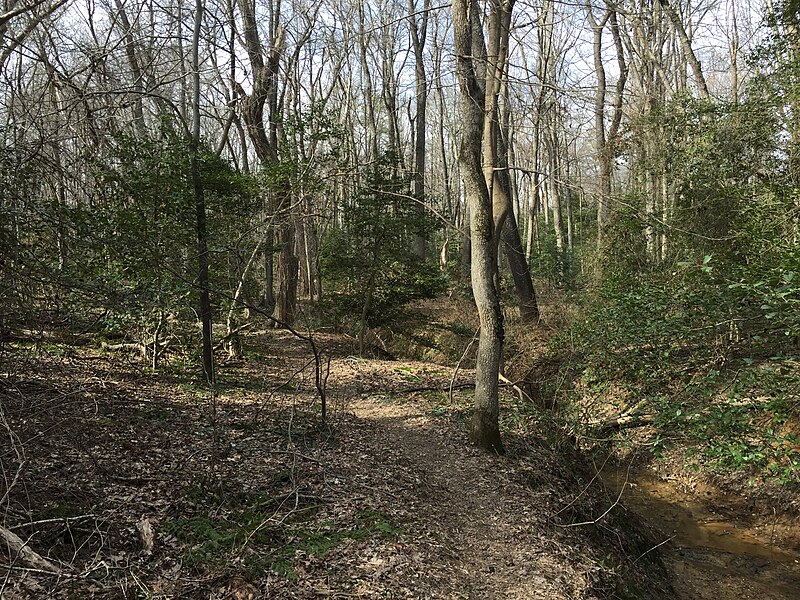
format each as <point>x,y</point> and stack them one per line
<point>143,484</point>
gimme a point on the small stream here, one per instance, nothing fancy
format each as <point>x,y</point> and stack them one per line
<point>712,555</point>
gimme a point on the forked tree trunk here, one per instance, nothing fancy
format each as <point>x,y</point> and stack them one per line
<point>265,65</point>
<point>605,141</point>
<point>418,38</point>
<point>484,430</point>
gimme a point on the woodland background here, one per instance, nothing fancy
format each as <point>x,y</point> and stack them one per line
<point>175,176</point>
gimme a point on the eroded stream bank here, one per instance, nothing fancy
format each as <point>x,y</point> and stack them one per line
<point>714,547</point>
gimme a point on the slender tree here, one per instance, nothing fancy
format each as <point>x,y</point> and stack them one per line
<point>419,34</point>
<point>200,203</point>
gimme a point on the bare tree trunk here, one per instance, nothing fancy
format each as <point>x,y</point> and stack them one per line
<point>686,47</point>
<point>520,272</point>
<point>651,192</point>
<point>599,117</point>
<point>733,49</point>
<point>200,204</point>
<point>496,150</point>
<point>533,201</point>
<point>451,202</point>
<point>555,188</point>
<point>366,74</point>
<point>389,95</point>
<point>288,265</point>
<point>605,142</point>
<point>265,143</point>
<point>570,221</point>
<point>136,71</point>
<point>466,247</point>
<point>518,264</point>
<point>485,430</point>
<point>419,33</point>
<point>495,57</point>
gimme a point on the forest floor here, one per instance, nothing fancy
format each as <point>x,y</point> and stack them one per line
<point>141,484</point>
<point>135,484</point>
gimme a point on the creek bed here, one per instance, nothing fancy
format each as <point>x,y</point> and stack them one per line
<point>711,553</point>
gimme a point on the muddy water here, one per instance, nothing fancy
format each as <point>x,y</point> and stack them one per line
<point>713,553</point>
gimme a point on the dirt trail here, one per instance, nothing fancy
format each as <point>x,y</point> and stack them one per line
<point>485,528</point>
<point>492,527</point>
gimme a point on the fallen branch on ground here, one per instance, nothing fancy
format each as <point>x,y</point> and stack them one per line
<point>20,547</point>
<point>624,422</point>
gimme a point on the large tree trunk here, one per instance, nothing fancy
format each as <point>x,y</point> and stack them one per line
<point>605,142</point>
<point>265,143</point>
<point>603,158</point>
<point>288,266</point>
<point>518,264</point>
<point>485,430</point>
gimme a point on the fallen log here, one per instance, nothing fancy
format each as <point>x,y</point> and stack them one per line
<point>18,548</point>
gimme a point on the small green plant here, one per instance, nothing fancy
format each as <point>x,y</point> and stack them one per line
<point>55,509</point>
<point>243,528</point>
<point>212,541</point>
<point>318,541</point>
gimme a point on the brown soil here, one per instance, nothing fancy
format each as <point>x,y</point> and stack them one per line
<point>718,545</point>
<point>129,482</point>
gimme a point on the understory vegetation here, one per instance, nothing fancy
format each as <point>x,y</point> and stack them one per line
<point>700,348</point>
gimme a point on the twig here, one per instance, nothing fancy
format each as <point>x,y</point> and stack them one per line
<point>280,387</point>
<point>34,570</point>
<point>293,452</point>
<point>669,539</point>
<point>19,450</point>
<point>585,488</point>
<point>610,508</point>
<point>55,520</point>
<point>516,388</point>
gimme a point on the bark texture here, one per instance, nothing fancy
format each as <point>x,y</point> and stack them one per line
<point>484,431</point>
